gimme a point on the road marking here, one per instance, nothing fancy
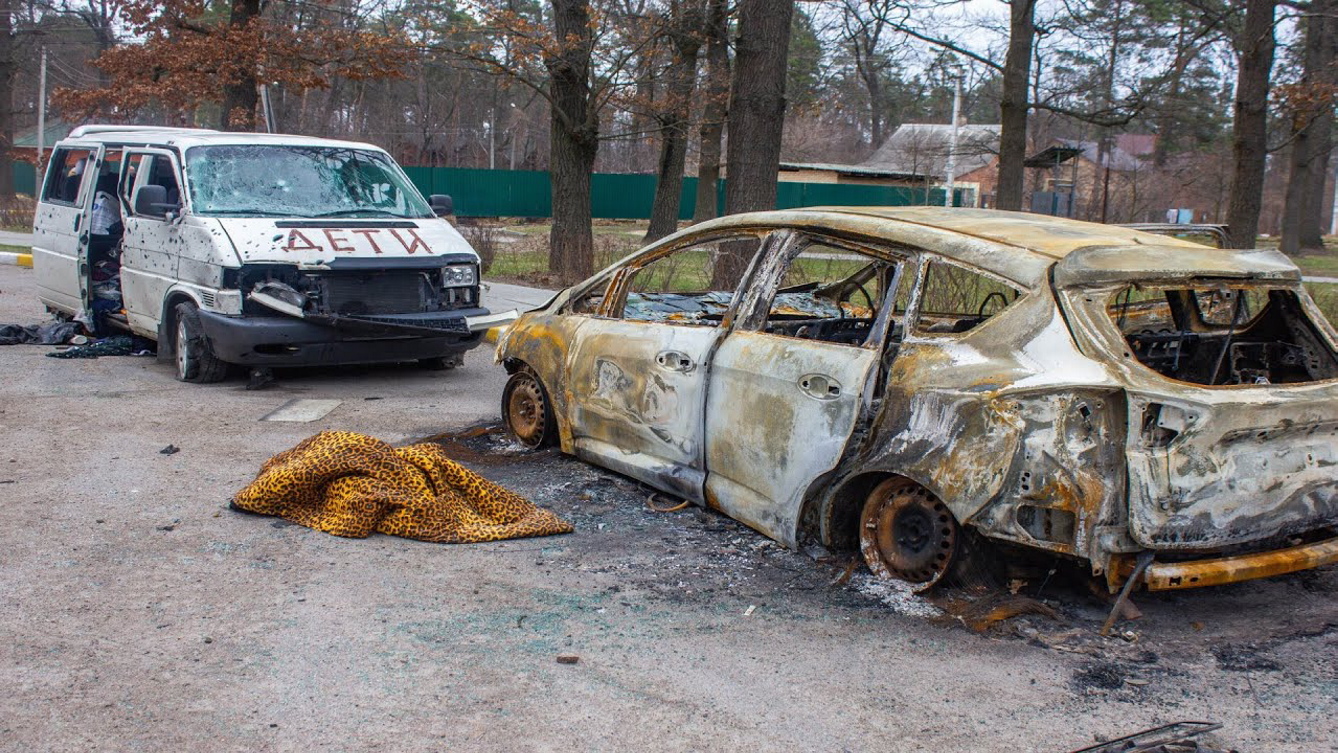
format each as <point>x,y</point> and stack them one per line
<point>302,410</point>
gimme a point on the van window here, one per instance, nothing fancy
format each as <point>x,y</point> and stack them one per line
<point>65,177</point>
<point>133,163</point>
<point>270,180</point>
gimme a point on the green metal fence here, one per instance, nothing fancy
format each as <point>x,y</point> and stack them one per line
<point>527,193</point>
<point>25,178</point>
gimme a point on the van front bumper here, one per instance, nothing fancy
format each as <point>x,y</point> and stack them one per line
<point>284,341</point>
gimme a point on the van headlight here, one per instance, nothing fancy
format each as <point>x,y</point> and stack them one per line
<point>459,276</point>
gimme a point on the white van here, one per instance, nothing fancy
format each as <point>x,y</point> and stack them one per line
<point>253,249</point>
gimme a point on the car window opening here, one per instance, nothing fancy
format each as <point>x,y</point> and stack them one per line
<point>1223,335</point>
<point>956,300</point>
<point>830,293</point>
<point>691,286</point>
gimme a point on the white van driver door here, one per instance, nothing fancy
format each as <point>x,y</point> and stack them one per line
<point>150,246</point>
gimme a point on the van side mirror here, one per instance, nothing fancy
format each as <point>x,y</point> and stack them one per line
<point>442,205</point>
<point>152,201</point>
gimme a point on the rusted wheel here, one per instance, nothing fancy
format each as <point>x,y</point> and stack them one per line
<point>527,412</point>
<point>907,533</point>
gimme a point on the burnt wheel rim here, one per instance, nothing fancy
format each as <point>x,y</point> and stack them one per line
<point>527,411</point>
<point>908,534</point>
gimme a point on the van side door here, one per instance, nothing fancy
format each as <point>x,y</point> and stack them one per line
<point>60,226</point>
<point>150,248</point>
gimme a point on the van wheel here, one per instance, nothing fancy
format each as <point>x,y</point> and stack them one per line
<point>527,411</point>
<point>195,360</point>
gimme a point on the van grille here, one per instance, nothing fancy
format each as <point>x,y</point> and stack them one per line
<point>375,293</point>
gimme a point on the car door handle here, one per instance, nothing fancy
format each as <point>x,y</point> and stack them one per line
<point>675,361</point>
<point>820,386</point>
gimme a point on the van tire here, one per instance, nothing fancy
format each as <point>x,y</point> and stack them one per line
<point>194,359</point>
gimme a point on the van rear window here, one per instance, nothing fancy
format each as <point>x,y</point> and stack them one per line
<point>65,176</point>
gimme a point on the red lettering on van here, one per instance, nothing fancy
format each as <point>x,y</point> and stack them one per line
<point>368,233</point>
<point>306,245</point>
<point>334,242</point>
<point>417,244</point>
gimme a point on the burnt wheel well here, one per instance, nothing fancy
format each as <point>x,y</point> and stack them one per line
<point>836,523</point>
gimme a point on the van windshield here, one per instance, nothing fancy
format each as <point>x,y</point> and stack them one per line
<point>298,181</point>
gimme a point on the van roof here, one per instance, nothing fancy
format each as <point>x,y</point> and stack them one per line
<point>183,138</point>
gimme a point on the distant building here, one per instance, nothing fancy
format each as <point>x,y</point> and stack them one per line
<point>24,148</point>
<point>923,149</point>
<point>916,155</point>
<point>1073,178</point>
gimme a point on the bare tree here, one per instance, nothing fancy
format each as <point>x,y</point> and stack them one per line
<point>8,9</point>
<point>683,29</point>
<point>575,140</point>
<point>756,118</point>
<point>1312,102</point>
<point>1255,44</point>
<point>711,134</point>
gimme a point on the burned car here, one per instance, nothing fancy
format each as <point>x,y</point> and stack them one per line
<point>911,381</point>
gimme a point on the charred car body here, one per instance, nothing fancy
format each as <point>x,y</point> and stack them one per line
<point>253,249</point>
<point>905,380</point>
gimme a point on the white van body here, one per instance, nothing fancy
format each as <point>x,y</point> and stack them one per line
<point>253,249</point>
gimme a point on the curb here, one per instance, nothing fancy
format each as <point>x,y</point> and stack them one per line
<point>22,260</point>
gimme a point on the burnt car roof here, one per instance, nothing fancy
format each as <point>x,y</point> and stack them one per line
<point>1023,247</point>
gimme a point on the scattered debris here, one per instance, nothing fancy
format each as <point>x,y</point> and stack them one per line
<point>650,502</point>
<point>1168,738</point>
<point>116,345</point>
<point>899,595</point>
<point>171,449</point>
<point>568,658</point>
<point>749,611</point>
<point>259,378</point>
<point>983,613</point>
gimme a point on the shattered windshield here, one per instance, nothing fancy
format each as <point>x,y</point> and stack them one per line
<point>251,180</point>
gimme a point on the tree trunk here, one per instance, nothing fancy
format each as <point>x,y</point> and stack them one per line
<point>756,117</point>
<point>1249,132</point>
<point>574,143</point>
<point>1312,128</point>
<point>1013,105</point>
<point>7,9</point>
<point>713,114</point>
<point>682,79</point>
<point>240,97</point>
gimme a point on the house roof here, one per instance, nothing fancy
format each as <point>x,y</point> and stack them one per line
<point>923,149</point>
<point>860,170</point>
<point>56,130</point>
<point>1121,158</point>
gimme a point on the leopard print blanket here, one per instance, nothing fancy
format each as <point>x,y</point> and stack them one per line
<point>353,485</point>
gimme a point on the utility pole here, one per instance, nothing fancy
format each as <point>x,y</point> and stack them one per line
<point>41,113</point>
<point>1333,221</point>
<point>951,168</point>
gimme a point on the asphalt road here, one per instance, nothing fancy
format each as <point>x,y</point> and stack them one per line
<point>138,613</point>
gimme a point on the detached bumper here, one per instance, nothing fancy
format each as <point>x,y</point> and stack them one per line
<point>1163,576</point>
<point>285,341</point>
